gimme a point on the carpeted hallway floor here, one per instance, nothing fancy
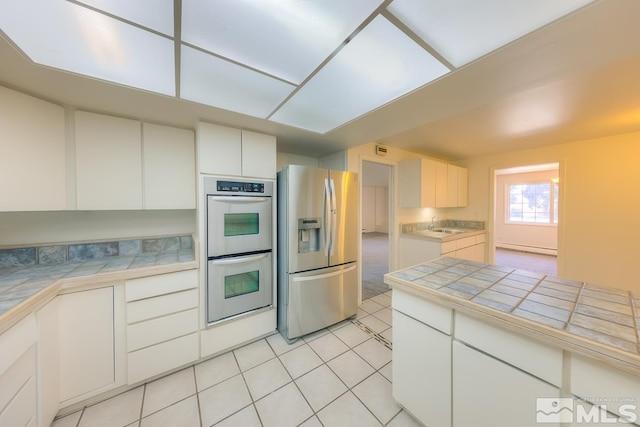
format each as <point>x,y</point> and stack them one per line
<point>375,264</point>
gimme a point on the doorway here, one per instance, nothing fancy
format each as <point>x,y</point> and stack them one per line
<point>526,216</point>
<point>376,185</point>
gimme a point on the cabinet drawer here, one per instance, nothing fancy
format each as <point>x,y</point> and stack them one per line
<point>592,379</point>
<point>446,247</point>
<point>465,242</point>
<point>161,329</point>
<point>481,238</point>
<point>152,286</point>
<point>15,378</point>
<point>16,341</point>
<point>532,356</point>
<point>154,360</point>
<point>150,308</point>
<point>434,315</point>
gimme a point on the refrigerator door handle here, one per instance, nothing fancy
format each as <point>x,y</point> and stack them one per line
<point>334,219</point>
<point>327,216</point>
<point>325,275</point>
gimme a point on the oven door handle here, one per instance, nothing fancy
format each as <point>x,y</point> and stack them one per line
<point>239,259</point>
<point>239,199</point>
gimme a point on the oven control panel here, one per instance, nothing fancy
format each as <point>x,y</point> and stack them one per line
<point>240,187</point>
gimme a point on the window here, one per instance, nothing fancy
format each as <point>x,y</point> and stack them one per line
<point>533,203</point>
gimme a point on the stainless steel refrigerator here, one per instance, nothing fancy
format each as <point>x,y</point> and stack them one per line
<point>318,214</point>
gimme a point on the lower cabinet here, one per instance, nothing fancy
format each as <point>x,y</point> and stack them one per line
<point>421,357</point>
<point>18,393</point>
<point>48,362</point>
<point>491,393</point>
<point>87,344</point>
<point>162,324</point>
<point>414,251</point>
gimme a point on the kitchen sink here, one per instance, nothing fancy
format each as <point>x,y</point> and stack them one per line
<point>448,230</point>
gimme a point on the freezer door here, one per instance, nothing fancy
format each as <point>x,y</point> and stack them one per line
<point>305,203</point>
<point>344,224</point>
<point>319,299</point>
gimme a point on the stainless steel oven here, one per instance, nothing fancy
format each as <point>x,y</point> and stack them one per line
<point>239,222</point>
<point>238,284</point>
<point>239,216</point>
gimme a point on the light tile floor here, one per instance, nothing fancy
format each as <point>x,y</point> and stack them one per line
<point>339,376</point>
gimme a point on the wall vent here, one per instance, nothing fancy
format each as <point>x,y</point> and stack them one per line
<point>381,150</point>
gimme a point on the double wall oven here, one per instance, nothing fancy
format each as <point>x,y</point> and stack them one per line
<point>239,222</point>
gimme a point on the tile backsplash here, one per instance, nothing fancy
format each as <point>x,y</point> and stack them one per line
<point>452,223</point>
<point>58,254</point>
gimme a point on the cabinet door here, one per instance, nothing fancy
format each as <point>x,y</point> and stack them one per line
<point>468,253</point>
<point>452,186</point>
<point>108,162</point>
<point>86,328</point>
<point>479,252</point>
<point>488,392</point>
<point>463,179</point>
<point>442,184</point>
<point>258,155</point>
<point>48,362</point>
<point>219,149</point>
<point>33,160</point>
<point>422,370</point>
<point>169,168</point>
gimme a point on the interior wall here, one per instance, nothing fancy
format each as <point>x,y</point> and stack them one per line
<point>375,207</point>
<point>284,159</point>
<point>599,204</point>
<point>542,238</point>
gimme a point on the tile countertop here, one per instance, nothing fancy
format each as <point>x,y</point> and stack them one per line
<point>25,288</point>
<point>461,229</point>
<point>593,320</point>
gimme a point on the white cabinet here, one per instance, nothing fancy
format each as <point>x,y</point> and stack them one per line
<point>258,155</point>
<point>422,357</point>
<point>169,167</point>
<point>590,378</point>
<point>18,398</point>
<point>87,346</point>
<point>415,250</point>
<point>469,248</point>
<point>456,186</point>
<point>162,323</point>
<point>108,162</point>
<point>227,151</point>
<point>48,362</point>
<point>429,183</point>
<point>488,392</point>
<point>33,161</point>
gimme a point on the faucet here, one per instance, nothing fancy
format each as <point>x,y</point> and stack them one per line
<point>432,226</point>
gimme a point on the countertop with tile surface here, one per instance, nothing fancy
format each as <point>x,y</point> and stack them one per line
<point>29,277</point>
<point>442,231</point>
<point>594,320</point>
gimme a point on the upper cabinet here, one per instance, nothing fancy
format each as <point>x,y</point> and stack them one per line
<point>429,183</point>
<point>123,164</point>
<point>228,151</point>
<point>33,160</point>
<point>169,167</point>
<point>108,162</point>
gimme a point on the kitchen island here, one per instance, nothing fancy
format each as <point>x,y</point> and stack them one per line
<point>477,344</point>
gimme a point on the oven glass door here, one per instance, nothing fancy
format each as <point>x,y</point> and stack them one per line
<point>238,284</point>
<point>238,224</point>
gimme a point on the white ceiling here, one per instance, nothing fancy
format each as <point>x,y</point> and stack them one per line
<point>575,78</point>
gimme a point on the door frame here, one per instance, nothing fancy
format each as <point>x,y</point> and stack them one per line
<point>393,232</point>
<point>491,251</point>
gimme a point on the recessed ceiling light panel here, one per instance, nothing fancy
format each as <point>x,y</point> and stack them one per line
<point>379,65</point>
<point>154,14</point>
<point>464,30</point>
<point>73,38</point>
<point>213,81</point>
<point>284,38</point>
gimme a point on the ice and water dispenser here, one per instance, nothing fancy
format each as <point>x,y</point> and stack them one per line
<point>309,234</point>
